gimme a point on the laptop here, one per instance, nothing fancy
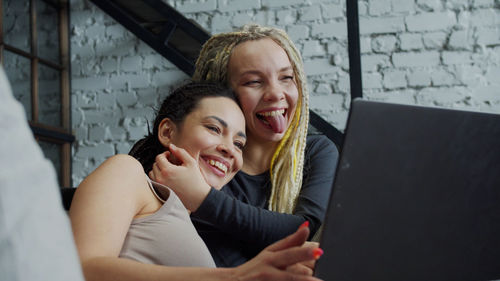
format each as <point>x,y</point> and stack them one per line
<point>416,196</point>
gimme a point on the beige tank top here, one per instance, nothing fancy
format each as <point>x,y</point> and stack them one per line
<point>166,237</point>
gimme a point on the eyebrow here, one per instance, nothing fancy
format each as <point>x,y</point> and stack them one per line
<point>224,124</point>
<point>283,69</point>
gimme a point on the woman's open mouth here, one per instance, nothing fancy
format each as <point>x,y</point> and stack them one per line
<point>275,119</point>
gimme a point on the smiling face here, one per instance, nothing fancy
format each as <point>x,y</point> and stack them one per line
<point>262,76</point>
<point>214,134</point>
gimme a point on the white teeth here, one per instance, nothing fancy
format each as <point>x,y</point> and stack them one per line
<point>272,113</point>
<point>218,165</point>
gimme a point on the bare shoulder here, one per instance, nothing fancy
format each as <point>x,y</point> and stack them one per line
<point>120,178</point>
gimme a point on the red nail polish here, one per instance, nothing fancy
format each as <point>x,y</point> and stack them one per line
<point>317,253</point>
<point>305,224</point>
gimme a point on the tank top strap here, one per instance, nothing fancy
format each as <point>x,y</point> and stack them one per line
<point>161,192</point>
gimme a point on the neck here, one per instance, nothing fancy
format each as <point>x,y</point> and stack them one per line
<point>257,156</point>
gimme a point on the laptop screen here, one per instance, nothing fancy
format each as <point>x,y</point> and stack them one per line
<point>416,196</point>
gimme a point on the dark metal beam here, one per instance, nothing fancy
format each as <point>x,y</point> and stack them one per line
<point>354,49</point>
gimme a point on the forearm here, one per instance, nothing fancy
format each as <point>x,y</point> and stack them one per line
<point>250,221</point>
<point>112,268</point>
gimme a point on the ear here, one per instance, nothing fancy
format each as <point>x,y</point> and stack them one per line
<point>166,131</point>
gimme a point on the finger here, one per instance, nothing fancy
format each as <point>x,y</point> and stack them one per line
<point>288,257</point>
<point>161,161</point>
<point>181,154</point>
<point>300,268</point>
<point>296,239</point>
<point>155,172</point>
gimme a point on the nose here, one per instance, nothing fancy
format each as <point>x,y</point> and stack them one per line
<point>226,150</point>
<point>274,92</point>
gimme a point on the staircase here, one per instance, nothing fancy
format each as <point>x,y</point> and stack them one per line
<point>180,40</point>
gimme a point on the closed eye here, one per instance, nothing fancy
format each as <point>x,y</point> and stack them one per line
<point>239,145</point>
<point>213,128</point>
<point>252,82</point>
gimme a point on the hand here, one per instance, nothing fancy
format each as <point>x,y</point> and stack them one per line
<point>281,261</point>
<point>179,171</point>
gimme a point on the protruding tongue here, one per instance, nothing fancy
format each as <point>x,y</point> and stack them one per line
<point>277,123</point>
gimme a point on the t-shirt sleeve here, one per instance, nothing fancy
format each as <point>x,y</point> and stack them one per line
<point>262,227</point>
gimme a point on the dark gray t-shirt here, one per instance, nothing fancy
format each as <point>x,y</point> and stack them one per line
<point>235,223</point>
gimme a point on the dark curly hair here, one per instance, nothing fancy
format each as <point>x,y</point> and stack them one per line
<point>176,107</point>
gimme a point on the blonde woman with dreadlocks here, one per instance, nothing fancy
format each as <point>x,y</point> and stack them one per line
<point>287,175</point>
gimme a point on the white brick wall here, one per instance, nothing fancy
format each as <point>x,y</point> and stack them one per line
<point>429,52</point>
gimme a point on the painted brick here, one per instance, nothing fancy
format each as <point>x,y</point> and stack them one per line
<point>312,48</point>
<point>89,84</point>
<point>156,61</point>
<point>323,89</point>
<point>241,19</point>
<point>109,65</point>
<point>434,40</point>
<point>374,62</point>
<point>131,63</point>
<point>365,44</point>
<point>312,13</point>
<point>411,41</point>
<point>126,99</point>
<point>394,79</point>
<point>381,25</point>
<point>330,30</point>
<point>490,93</point>
<point>106,100</point>
<point>441,77</point>
<point>430,21</point>
<point>102,149</point>
<point>379,7</point>
<point>403,6</point>
<point>429,5</point>
<point>297,32</point>
<point>169,77</point>
<point>440,96</point>
<point>92,117</point>
<point>121,48</point>
<point>220,23</point>
<point>196,6</point>
<point>469,75</point>
<point>450,58</point>
<point>98,134</point>
<point>318,66</point>
<point>116,31</point>
<point>460,39</point>
<point>397,96</point>
<point>266,17</point>
<point>118,133</point>
<point>483,3</point>
<point>330,103</point>
<point>484,17</point>
<point>280,3</point>
<point>493,74</point>
<point>123,148</point>
<point>286,17</point>
<point>237,5</point>
<point>372,80</point>
<point>415,59</point>
<point>137,133</point>
<point>419,78</point>
<point>488,36</point>
<point>384,44</point>
<point>333,11</point>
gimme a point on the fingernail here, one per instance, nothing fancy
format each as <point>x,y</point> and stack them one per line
<point>317,253</point>
<point>305,224</point>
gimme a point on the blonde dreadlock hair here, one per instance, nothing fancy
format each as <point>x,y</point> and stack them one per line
<point>212,65</point>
